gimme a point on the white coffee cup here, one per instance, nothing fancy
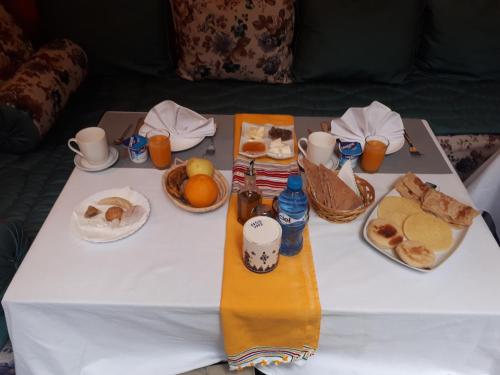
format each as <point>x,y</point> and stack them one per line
<point>261,244</point>
<point>320,147</point>
<point>92,144</point>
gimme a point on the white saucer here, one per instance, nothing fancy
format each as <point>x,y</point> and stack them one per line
<point>84,165</point>
<point>332,164</point>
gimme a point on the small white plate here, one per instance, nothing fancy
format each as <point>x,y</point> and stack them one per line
<point>332,164</point>
<point>97,229</point>
<point>82,164</point>
<point>441,256</point>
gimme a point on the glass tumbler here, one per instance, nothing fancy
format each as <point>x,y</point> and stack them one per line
<point>374,153</point>
<point>159,151</point>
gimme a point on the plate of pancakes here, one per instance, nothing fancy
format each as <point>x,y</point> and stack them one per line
<point>418,226</point>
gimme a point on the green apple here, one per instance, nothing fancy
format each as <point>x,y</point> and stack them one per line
<point>199,166</point>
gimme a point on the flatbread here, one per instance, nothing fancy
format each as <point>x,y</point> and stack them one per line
<point>344,197</point>
<point>314,180</point>
<point>384,233</point>
<point>415,254</point>
<point>433,232</point>
<point>328,188</point>
<point>397,209</point>
<point>448,208</point>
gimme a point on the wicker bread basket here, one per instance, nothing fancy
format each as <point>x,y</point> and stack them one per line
<point>344,216</point>
<point>219,179</point>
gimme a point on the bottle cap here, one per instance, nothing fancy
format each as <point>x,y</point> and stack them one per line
<point>294,182</point>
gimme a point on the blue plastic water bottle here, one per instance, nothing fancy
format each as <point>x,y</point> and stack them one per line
<point>293,214</point>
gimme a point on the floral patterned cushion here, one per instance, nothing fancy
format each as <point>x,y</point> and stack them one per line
<point>14,48</point>
<point>234,39</point>
<point>43,84</point>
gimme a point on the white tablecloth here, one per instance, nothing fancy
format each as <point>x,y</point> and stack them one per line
<point>149,304</point>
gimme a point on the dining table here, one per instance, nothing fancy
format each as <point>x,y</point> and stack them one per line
<point>149,303</point>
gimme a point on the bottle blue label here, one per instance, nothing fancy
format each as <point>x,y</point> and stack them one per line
<point>285,219</point>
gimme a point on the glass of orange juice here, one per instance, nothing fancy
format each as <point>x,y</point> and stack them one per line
<point>159,150</point>
<point>374,153</point>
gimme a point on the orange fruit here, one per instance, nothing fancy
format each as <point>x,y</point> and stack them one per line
<point>201,190</point>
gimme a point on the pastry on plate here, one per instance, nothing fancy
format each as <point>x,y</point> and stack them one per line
<point>384,233</point>
<point>91,212</point>
<point>114,213</point>
<point>411,187</point>
<point>415,254</point>
<point>448,208</point>
<point>116,201</point>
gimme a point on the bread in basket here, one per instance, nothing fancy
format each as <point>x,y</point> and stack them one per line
<point>332,199</point>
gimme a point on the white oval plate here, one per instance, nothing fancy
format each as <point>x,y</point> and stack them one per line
<point>97,229</point>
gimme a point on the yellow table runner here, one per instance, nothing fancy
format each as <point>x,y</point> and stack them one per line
<point>267,318</point>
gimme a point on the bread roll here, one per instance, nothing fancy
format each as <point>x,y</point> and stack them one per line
<point>384,233</point>
<point>114,213</point>
<point>415,254</point>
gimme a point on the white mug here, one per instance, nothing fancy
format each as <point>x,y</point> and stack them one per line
<point>92,144</point>
<point>320,147</point>
<point>261,244</point>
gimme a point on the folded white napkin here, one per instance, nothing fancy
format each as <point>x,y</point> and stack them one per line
<point>376,119</point>
<point>179,121</point>
<point>346,174</point>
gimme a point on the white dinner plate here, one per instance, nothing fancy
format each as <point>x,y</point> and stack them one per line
<point>441,256</point>
<point>97,228</point>
<point>395,146</point>
<point>181,144</point>
<point>82,164</point>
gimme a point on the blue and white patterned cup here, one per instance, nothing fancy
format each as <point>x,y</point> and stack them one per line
<point>137,148</point>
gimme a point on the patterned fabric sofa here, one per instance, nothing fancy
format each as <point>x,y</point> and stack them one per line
<point>34,86</point>
<point>344,54</point>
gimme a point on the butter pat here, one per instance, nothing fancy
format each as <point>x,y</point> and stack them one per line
<point>279,148</point>
<point>256,132</point>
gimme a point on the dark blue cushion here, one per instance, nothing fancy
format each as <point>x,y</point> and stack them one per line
<point>356,40</point>
<point>18,133</point>
<point>462,39</point>
<point>13,247</point>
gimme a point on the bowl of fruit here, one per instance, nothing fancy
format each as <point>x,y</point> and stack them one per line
<point>195,185</point>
